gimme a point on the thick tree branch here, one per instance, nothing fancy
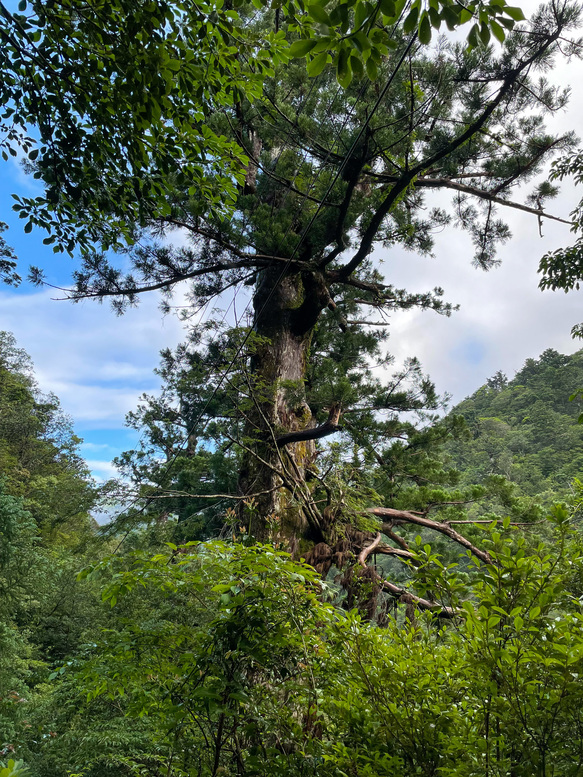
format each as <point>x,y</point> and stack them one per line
<point>217,238</point>
<point>403,516</point>
<point>387,550</point>
<point>442,610</point>
<point>330,426</point>
<point>400,593</point>
<point>250,260</point>
<point>365,552</point>
<point>388,531</point>
<point>352,178</point>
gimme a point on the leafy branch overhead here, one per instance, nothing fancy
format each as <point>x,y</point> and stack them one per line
<point>109,103</point>
<point>355,35</point>
<point>332,174</point>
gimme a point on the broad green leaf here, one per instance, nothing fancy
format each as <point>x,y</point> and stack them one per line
<point>473,36</point>
<point>497,31</point>
<point>425,29</point>
<point>388,7</point>
<point>484,34</point>
<point>300,48</point>
<point>372,70</point>
<point>343,71</point>
<point>411,20</point>
<point>317,64</point>
<point>515,13</point>
<point>357,66</point>
<point>319,14</point>
<point>435,18</point>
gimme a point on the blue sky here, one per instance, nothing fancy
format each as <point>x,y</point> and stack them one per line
<point>96,362</point>
<point>99,364</point>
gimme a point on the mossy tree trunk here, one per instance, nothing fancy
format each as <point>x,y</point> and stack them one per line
<point>286,311</point>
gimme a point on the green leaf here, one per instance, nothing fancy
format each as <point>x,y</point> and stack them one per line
<point>357,66</point>
<point>339,14</point>
<point>319,15</point>
<point>22,5</point>
<point>360,42</point>
<point>300,48</point>
<point>411,20</point>
<point>450,16</point>
<point>515,13</point>
<point>497,31</point>
<point>473,36</point>
<point>372,70</point>
<point>343,70</point>
<point>434,18</point>
<point>485,34</point>
<point>317,64</point>
<point>425,29</point>
<point>388,7</point>
<point>362,12</point>
<point>323,44</point>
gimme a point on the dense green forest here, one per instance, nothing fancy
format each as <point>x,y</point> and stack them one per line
<point>310,569</point>
<point>525,429</point>
<point>125,653</point>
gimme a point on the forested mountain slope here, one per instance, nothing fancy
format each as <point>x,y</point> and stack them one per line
<point>45,532</point>
<point>525,429</point>
<point>39,460</point>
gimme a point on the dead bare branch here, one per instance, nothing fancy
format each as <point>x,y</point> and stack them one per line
<point>403,516</point>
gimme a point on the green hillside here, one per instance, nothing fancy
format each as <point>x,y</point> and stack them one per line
<point>526,428</point>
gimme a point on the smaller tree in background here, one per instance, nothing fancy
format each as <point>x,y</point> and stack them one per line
<point>45,532</point>
<point>527,429</point>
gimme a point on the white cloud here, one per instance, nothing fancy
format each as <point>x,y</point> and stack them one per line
<point>80,350</point>
<point>92,406</point>
<point>503,318</point>
<point>93,447</point>
<point>101,469</point>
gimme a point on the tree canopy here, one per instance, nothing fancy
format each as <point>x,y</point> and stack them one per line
<point>109,102</point>
<point>526,429</point>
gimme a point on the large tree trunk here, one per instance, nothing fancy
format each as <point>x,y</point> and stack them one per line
<point>286,312</point>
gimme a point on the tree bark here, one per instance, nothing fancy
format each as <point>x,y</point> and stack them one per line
<point>286,311</point>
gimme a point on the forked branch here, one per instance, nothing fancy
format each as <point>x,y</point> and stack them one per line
<point>400,593</point>
<point>404,516</point>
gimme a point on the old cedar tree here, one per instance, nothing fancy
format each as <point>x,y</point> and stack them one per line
<point>332,174</point>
